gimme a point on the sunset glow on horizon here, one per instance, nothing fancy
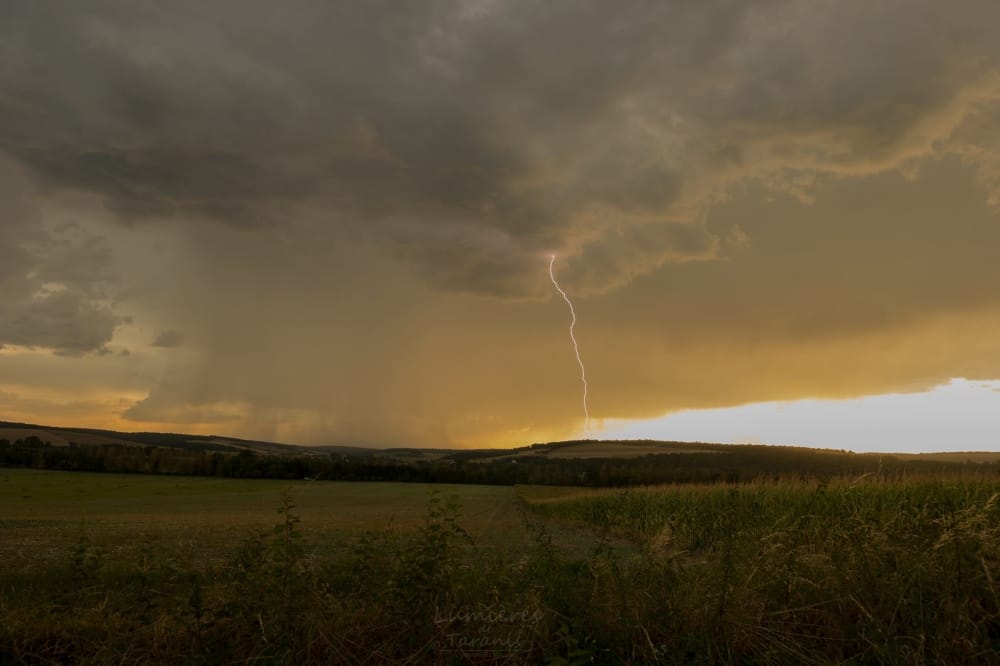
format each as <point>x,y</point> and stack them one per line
<point>961,415</point>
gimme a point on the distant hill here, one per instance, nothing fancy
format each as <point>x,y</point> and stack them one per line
<point>63,436</point>
<point>565,450</point>
<point>60,436</point>
<point>588,449</point>
<point>579,462</point>
<point>718,456</point>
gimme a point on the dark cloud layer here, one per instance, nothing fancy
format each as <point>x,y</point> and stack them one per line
<point>169,338</point>
<point>473,137</point>
<point>53,282</point>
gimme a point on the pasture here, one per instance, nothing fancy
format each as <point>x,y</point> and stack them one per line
<point>180,501</point>
<point>44,512</point>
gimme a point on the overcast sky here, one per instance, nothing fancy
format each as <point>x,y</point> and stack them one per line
<point>330,222</point>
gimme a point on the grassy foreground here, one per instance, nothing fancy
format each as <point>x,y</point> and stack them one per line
<point>134,569</point>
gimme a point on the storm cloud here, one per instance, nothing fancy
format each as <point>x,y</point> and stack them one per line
<point>169,338</point>
<point>53,282</point>
<point>348,208</point>
<point>470,137</point>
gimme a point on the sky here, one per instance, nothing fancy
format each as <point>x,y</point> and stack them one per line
<point>326,222</point>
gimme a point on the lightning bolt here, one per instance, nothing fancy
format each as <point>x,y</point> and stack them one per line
<point>576,347</point>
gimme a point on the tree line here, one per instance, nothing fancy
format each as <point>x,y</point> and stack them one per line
<point>720,464</point>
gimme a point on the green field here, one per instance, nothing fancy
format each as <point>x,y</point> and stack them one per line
<point>43,512</point>
<point>134,499</point>
<point>106,568</point>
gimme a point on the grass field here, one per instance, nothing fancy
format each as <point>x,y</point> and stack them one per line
<point>105,568</point>
<point>44,512</point>
<point>176,500</point>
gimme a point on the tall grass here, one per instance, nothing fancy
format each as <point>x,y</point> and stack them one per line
<point>869,572</point>
<point>426,595</point>
<point>884,572</point>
